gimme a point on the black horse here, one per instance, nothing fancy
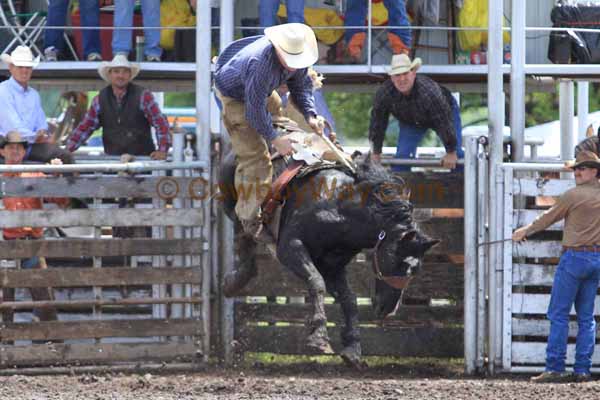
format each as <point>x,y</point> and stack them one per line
<point>328,218</point>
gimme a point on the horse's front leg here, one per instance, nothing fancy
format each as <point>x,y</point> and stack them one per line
<point>293,254</point>
<point>245,267</point>
<point>339,288</point>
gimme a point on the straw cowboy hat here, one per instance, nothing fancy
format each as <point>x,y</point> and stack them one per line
<point>21,57</point>
<point>13,137</point>
<point>120,61</point>
<point>585,158</point>
<point>401,63</point>
<point>296,44</point>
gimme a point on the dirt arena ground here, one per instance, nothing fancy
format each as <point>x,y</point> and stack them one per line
<point>294,382</point>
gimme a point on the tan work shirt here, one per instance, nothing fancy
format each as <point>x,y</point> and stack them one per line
<point>580,208</point>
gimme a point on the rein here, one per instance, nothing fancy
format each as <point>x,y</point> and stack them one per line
<point>397,282</point>
<point>493,242</point>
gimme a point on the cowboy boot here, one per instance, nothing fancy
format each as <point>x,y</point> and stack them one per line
<point>355,46</point>
<point>397,44</point>
<point>258,231</point>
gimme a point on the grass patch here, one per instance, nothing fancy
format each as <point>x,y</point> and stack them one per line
<point>373,361</point>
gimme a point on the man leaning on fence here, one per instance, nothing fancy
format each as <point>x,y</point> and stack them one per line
<point>578,272</point>
<point>126,112</point>
<point>21,109</point>
<point>13,150</point>
<point>419,104</point>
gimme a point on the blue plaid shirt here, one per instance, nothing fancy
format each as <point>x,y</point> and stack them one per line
<point>248,70</point>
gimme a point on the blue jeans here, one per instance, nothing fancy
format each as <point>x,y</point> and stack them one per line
<point>89,11</point>
<point>121,41</point>
<point>410,136</point>
<point>267,11</point>
<point>356,14</point>
<point>575,282</point>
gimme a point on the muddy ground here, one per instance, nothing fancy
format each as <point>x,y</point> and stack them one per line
<point>298,382</point>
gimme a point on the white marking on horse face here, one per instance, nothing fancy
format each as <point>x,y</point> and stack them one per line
<point>412,262</point>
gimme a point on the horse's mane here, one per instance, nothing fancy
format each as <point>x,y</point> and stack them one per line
<point>388,196</point>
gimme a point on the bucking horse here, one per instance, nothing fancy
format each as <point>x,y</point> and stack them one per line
<point>328,216</point>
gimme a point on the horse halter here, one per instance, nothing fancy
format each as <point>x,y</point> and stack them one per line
<point>397,282</point>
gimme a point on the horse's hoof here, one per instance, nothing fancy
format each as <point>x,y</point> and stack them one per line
<point>354,362</point>
<point>352,357</point>
<point>320,346</point>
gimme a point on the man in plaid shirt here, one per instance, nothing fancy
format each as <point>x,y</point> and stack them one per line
<point>419,104</point>
<point>126,112</point>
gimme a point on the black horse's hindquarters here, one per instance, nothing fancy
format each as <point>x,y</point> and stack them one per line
<point>327,219</point>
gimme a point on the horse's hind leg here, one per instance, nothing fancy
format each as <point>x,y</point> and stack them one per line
<point>339,288</point>
<point>294,255</point>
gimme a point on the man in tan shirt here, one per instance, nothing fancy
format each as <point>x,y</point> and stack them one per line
<point>578,273</point>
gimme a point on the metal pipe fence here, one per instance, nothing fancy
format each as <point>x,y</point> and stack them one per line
<point>132,167</point>
<point>316,27</point>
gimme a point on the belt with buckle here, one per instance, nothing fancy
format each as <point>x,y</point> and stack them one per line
<point>593,248</point>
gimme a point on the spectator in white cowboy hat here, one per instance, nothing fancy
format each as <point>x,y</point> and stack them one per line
<point>419,104</point>
<point>126,112</point>
<point>248,73</point>
<point>21,109</point>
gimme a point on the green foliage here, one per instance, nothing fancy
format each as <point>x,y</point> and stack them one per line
<point>187,99</point>
<point>352,112</point>
<point>473,110</point>
<point>540,108</point>
<point>50,101</point>
<point>252,359</point>
<point>594,97</point>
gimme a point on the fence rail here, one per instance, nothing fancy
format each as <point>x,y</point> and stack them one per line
<point>154,293</point>
<point>106,187</point>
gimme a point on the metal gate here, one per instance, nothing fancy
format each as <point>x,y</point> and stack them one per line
<point>508,285</point>
<point>529,268</point>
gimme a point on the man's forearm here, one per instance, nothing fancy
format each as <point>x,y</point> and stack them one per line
<point>75,140</point>
<point>547,218</point>
<point>449,140</point>
<point>377,127</point>
<point>260,120</point>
